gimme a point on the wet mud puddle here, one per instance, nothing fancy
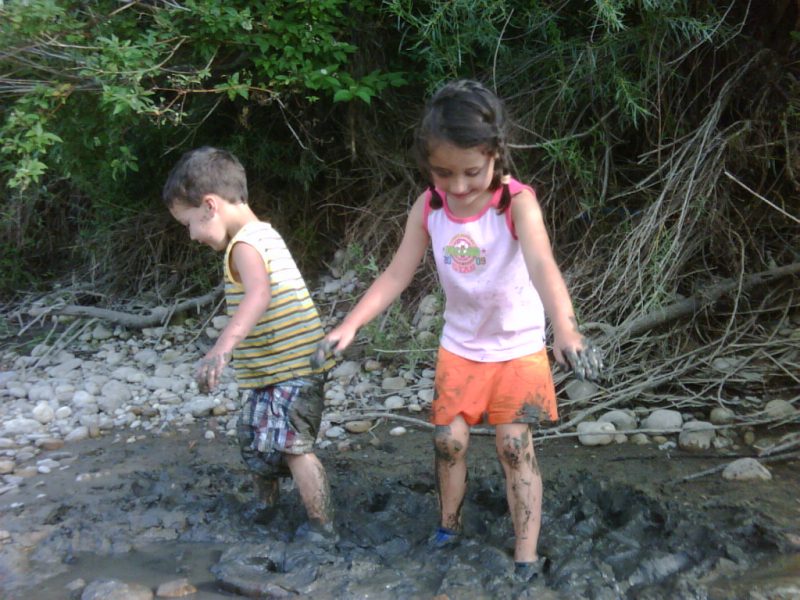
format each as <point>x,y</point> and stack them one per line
<point>178,506</point>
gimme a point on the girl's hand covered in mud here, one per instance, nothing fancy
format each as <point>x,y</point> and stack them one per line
<point>585,363</point>
<point>208,370</point>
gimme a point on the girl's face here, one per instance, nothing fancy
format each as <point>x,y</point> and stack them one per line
<point>202,222</point>
<point>465,174</point>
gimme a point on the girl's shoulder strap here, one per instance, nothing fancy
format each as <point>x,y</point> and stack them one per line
<point>514,188</point>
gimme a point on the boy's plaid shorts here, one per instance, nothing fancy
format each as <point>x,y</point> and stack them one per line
<point>279,419</point>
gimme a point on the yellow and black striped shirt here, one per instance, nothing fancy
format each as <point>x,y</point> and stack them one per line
<point>279,346</point>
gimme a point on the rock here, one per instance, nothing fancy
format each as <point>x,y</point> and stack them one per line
<point>100,333</point>
<point>663,420</point>
<point>43,413</point>
<point>63,412</point>
<point>394,383</point>
<point>111,589</point>
<point>721,415</point>
<point>696,435</point>
<point>371,365</point>
<point>426,396</point>
<point>397,431</point>
<point>114,395</point>
<point>176,588</point>
<point>77,434</point>
<point>595,433</point>
<point>622,420</point>
<point>580,390</point>
<point>6,466</point>
<point>346,371</point>
<point>50,444</point>
<point>334,432</point>
<point>21,426</point>
<point>640,439</point>
<point>394,402</point>
<point>220,322</point>
<point>746,469</point>
<point>41,393</point>
<point>358,426</point>
<point>779,409</point>
<point>200,407</point>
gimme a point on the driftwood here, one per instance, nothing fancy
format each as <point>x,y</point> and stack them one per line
<point>691,305</point>
<point>157,316</point>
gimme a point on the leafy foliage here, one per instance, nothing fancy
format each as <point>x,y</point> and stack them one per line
<point>93,94</point>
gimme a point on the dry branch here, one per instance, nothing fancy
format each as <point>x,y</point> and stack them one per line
<point>156,316</point>
<point>692,305</point>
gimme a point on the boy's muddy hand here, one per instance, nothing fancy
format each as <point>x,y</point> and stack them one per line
<point>208,370</point>
<point>586,363</point>
<point>321,352</point>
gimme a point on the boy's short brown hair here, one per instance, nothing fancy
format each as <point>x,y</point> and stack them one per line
<point>203,171</point>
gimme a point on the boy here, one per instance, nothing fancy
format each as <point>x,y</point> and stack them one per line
<point>272,333</point>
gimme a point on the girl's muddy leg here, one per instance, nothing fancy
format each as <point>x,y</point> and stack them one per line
<point>523,487</point>
<point>450,447</point>
<point>312,483</point>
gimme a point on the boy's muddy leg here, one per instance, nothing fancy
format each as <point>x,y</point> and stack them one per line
<point>523,487</point>
<point>450,447</point>
<point>267,489</point>
<point>312,483</point>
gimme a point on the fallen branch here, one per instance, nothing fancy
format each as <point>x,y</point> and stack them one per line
<point>157,316</point>
<point>692,305</point>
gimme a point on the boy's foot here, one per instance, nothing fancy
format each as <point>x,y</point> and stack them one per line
<point>527,572</point>
<point>444,537</point>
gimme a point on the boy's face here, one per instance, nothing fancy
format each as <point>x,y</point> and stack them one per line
<point>203,222</point>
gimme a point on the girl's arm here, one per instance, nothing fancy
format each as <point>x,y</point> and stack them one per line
<point>390,284</point>
<point>568,343</point>
<point>248,264</point>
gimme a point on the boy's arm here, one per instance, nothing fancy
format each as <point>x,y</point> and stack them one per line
<point>248,264</point>
<point>569,346</point>
<point>390,284</point>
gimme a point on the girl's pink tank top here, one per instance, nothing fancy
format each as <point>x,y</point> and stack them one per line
<point>492,311</point>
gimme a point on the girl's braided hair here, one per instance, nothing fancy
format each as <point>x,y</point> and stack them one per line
<point>466,114</point>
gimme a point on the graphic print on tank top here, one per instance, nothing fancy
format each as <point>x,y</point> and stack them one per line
<point>463,254</point>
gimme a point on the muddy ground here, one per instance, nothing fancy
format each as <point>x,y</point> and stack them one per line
<point>616,524</point>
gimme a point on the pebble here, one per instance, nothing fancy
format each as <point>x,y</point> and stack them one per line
<point>358,426</point>
<point>397,431</point>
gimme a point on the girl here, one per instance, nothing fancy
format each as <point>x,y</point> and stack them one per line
<point>496,267</point>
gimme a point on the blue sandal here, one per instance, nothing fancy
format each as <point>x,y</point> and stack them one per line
<point>444,537</point>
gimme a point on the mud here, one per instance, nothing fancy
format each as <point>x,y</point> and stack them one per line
<point>616,524</point>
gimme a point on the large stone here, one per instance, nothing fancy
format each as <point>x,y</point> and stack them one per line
<point>696,435</point>
<point>580,390</point>
<point>779,409</point>
<point>663,420</point>
<point>720,415</point>
<point>595,433</point>
<point>746,469</point>
<point>622,420</point>
<point>21,426</point>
